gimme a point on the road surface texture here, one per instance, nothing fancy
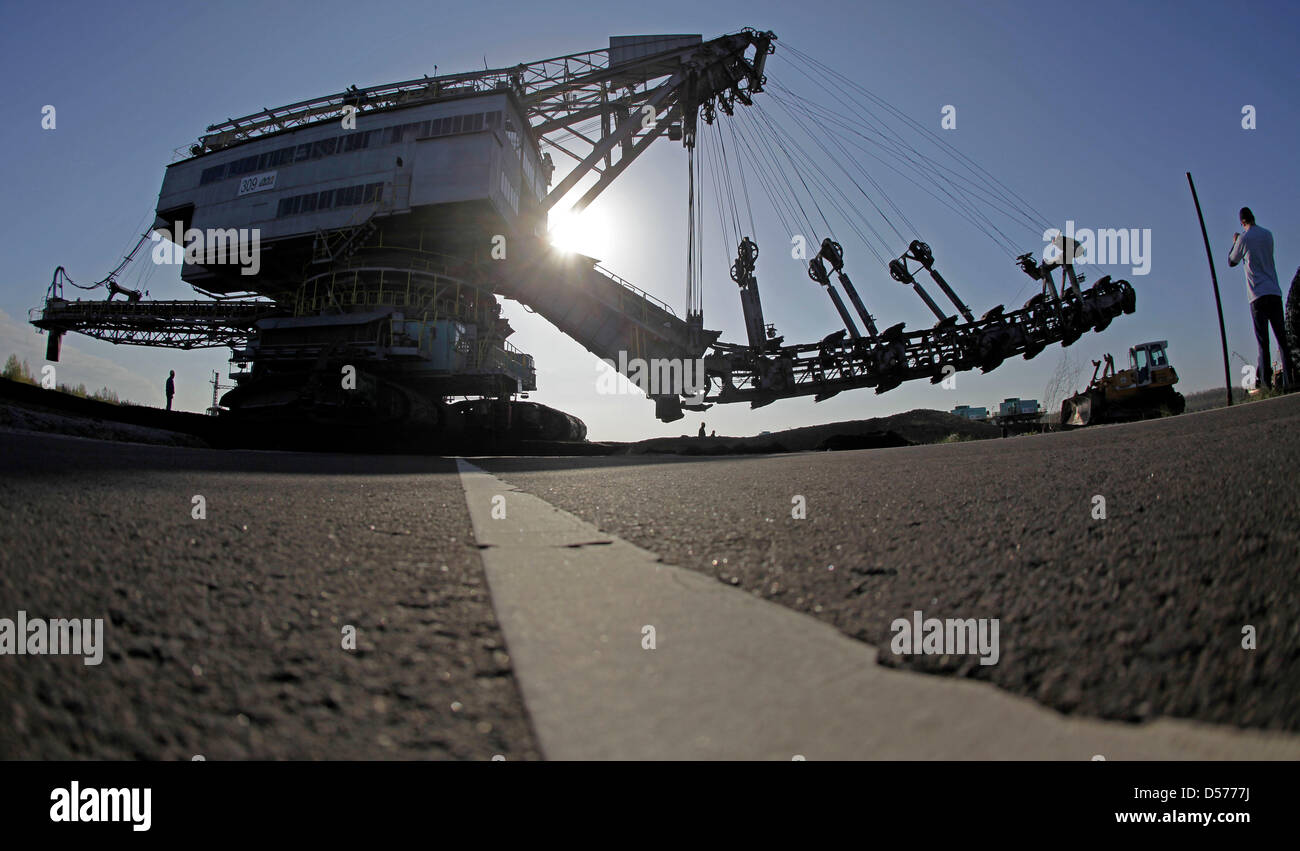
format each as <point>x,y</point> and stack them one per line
<point>224,634</point>
<point>1132,617</point>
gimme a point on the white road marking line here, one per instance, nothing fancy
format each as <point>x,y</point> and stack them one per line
<point>737,677</point>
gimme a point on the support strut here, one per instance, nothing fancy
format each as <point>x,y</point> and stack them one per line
<point>899,272</point>
<point>742,272</point>
<point>921,253</point>
<point>834,254</point>
<point>817,271</point>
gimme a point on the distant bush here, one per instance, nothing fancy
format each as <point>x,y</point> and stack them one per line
<point>16,370</point>
<point>103,394</point>
<point>1265,393</point>
<point>1205,400</point>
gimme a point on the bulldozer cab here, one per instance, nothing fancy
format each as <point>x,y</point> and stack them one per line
<point>1145,358</point>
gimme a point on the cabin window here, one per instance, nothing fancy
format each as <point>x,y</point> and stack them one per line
<point>358,141</point>
<point>288,206</point>
<point>324,148</point>
<point>244,166</point>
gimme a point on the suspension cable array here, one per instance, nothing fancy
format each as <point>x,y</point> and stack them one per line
<point>807,158</point>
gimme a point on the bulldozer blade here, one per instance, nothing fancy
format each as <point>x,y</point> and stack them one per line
<point>1078,410</point>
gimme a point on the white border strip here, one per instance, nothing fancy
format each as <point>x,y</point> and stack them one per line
<point>736,677</point>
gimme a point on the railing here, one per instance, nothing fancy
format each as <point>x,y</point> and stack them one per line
<point>489,355</point>
<point>657,302</point>
<point>174,324</point>
<point>227,311</point>
<point>406,287</point>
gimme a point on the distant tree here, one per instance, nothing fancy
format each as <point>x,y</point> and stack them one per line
<point>16,370</point>
<point>1066,380</point>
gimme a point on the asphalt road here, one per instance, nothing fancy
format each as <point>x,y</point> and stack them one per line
<point>224,634</point>
<point>1132,617</point>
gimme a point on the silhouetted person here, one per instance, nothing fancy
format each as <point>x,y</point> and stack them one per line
<point>1293,330</point>
<point>171,388</point>
<point>701,429</point>
<point>1255,246</point>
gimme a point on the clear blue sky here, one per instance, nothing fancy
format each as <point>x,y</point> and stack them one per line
<point>1092,112</point>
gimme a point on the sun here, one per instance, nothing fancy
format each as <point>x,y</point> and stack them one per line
<point>582,233</point>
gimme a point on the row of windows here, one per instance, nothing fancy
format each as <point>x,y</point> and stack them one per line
<point>354,141</point>
<point>349,196</point>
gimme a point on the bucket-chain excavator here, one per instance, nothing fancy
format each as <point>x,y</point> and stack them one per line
<point>389,220</point>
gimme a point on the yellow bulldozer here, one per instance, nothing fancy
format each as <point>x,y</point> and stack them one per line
<point>1143,391</point>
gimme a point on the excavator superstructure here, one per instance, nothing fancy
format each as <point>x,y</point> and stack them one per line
<point>352,249</point>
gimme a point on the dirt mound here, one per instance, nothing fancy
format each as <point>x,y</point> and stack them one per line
<point>29,408</point>
<point>912,427</point>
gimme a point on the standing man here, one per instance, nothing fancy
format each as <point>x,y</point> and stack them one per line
<point>171,385</point>
<point>1255,246</point>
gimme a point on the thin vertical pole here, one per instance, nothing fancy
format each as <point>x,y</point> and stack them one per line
<point>1214,278</point>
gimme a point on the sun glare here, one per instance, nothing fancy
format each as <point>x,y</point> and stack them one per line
<point>585,233</point>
